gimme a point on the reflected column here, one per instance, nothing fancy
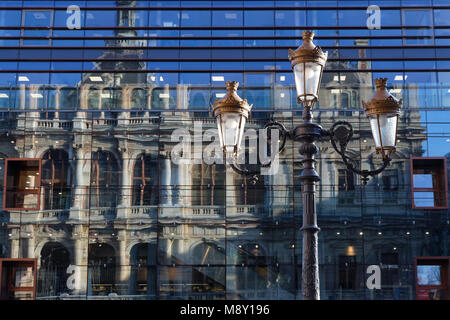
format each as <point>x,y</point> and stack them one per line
<point>124,268</point>
<point>166,175</point>
<point>125,201</point>
<point>83,167</point>
<point>80,239</point>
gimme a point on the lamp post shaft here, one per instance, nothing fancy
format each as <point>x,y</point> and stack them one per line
<point>309,132</point>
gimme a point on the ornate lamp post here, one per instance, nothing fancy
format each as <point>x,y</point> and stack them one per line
<point>382,110</point>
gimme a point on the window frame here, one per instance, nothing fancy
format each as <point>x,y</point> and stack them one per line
<point>24,27</point>
<point>145,181</point>
<point>444,190</point>
<point>56,184</point>
<point>38,191</point>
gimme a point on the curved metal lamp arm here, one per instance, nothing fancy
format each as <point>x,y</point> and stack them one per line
<point>254,173</point>
<point>342,132</point>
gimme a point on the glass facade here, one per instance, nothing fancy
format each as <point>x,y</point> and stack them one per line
<point>95,96</point>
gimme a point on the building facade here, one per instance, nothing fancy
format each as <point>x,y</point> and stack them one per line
<point>98,97</point>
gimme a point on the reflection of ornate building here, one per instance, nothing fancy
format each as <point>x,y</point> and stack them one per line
<point>114,204</point>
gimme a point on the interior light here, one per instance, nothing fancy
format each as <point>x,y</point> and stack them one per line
<point>282,95</point>
<point>218,78</point>
<point>399,77</point>
<point>153,78</point>
<point>282,78</point>
<point>3,95</point>
<point>96,79</point>
<point>335,91</point>
<point>36,95</point>
<point>164,96</point>
<point>397,90</point>
<point>23,78</point>
<point>161,78</point>
<point>342,78</point>
<point>220,95</point>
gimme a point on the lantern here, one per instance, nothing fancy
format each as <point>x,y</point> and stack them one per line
<point>383,111</point>
<point>231,114</point>
<point>307,63</point>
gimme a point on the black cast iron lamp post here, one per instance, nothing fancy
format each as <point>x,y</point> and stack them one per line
<point>382,110</point>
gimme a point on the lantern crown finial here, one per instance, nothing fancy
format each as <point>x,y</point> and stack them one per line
<point>308,51</point>
<point>232,86</point>
<point>381,83</point>
<point>308,35</point>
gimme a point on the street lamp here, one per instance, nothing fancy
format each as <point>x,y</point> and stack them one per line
<point>231,113</point>
<point>307,63</point>
<point>382,110</point>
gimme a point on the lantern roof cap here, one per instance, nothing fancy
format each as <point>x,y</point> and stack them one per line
<point>231,102</point>
<point>382,102</point>
<point>308,51</point>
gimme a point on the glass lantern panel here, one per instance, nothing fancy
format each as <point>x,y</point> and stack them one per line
<point>312,78</point>
<point>388,129</point>
<point>230,129</point>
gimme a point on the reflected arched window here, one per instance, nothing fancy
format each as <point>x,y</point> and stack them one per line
<point>56,179</point>
<point>107,99</point>
<point>208,187</point>
<point>253,273</point>
<point>55,259</point>
<point>138,101</point>
<point>199,98</point>
<point>102,269</point>
<point>111,100</point>
<point>145,182</point>
<point>93,99</point>
<point>163,98</point>
<point>250,192</point>
<point>345,100</point>
<point>104,179</point>
<point>143,269</point>
<point>208,270</point>
<point>208,253</point>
